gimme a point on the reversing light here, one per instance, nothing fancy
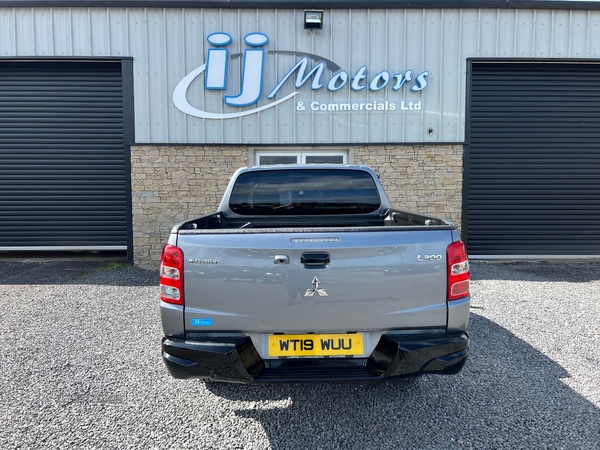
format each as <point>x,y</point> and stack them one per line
<point>170,293</point>
<point>169,272</point>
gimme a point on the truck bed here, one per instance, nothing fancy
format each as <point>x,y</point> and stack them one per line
<point>391,218</point>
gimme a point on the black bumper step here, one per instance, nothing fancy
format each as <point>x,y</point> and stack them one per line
<point>235,359</point>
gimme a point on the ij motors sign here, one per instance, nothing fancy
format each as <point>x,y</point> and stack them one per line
<point>331,84</point>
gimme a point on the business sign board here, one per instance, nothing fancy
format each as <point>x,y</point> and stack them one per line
<point>308,84</point>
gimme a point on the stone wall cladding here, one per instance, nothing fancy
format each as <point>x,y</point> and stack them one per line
<point>174,183</point>
<point>426,179</point>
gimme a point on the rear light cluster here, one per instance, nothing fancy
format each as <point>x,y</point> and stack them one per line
<point>171,275</point>
<point>458,271</point>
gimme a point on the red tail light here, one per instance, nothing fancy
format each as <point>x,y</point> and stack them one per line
<point>171,275</point>
<point>458,271</point>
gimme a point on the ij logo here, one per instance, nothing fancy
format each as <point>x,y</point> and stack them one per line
<point>252,68</point>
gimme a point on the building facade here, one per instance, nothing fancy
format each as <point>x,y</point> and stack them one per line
<point>119,120</point>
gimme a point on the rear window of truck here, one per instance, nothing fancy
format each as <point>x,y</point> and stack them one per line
<point>304,192</point>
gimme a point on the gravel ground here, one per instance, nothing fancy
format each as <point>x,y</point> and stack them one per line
<point>80,367</point>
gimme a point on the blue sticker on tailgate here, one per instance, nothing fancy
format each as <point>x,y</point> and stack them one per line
<point>202,322</point>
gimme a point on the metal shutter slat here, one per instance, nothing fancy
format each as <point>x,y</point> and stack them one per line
<point>532,163</point>
<point>62,155</point>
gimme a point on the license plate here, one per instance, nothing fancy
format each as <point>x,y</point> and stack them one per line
<point>316,344</point>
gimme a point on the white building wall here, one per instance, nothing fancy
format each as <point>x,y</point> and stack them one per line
<point>167,44</point>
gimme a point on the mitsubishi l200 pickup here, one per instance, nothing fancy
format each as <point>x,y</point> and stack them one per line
<point>307,273</point>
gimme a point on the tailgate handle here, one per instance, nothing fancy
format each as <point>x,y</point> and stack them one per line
<point>315,260</point>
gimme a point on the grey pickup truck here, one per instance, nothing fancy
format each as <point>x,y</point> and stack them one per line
<point>307,273</point>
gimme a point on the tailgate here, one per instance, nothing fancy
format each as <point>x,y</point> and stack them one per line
<point>315,282</point>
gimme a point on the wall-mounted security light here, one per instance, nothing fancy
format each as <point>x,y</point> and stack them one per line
<point>313,20</point>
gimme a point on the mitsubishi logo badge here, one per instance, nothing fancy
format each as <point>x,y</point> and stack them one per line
<point>315,289</point>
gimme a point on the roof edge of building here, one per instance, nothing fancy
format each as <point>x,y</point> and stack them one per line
<point>304,4</point>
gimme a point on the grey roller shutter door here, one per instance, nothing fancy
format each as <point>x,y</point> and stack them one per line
<point>62,155</point>
<point>532,163</point>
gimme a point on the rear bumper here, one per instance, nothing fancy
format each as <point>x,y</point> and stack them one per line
<point>235,359</point>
